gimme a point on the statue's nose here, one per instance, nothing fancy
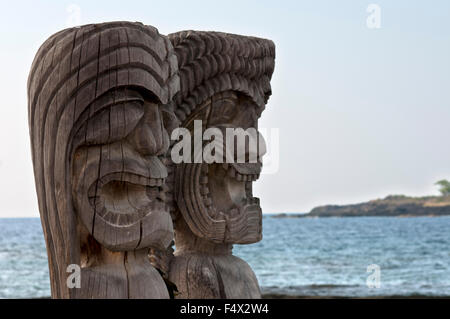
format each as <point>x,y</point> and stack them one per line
<point>150,137</point>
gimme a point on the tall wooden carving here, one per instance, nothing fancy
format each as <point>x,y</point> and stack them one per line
<point>225,82</point>
<point>103,99</point>
<point>97,115</point>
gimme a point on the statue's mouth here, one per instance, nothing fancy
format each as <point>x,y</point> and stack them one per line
<point>124,198</point>
<point>227,188</point>
<point>226,191</point>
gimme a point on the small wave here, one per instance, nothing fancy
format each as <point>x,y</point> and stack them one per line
<point>327,286</point>
<point>313,286</point>
<point>314,289</point>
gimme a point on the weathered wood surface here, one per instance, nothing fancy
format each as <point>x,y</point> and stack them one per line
<point>103,99</point>
<point>225,82</point>
<point>97,95</point>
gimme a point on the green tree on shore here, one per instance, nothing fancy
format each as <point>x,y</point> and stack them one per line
<point>444,187</point>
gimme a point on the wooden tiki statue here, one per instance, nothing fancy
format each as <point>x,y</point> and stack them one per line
<point>98,117</point>
<point>225,83</point>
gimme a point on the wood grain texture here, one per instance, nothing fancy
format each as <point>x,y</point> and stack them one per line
<point>103,99</point>
<point>225,82</point>
<point>97,94</point>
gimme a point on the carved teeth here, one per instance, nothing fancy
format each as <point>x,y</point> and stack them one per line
<point>100,210</point>
<point>141,180</point>
<point>231,171</point>
<point>155,181</point>
<point>125,177</point>
<point>107,216</point>
<point>116,218</point>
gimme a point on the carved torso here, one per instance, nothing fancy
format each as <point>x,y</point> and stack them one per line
<point>120,275</point>
<point>202,269</point>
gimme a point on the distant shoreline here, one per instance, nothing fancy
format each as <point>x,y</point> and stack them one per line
<point>391,206</point>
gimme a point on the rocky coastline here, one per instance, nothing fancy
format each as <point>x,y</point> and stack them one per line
<point>390,206</point>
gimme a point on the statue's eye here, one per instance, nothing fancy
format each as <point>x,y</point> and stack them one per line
<point>170,120</point>
<point>228,112</point>
<point>112,123</point>
<point>225,110</point>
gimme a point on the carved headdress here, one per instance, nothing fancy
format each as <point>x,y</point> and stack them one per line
<point>214,62</point>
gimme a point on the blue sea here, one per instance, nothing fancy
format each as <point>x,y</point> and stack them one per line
<point>297,256</point>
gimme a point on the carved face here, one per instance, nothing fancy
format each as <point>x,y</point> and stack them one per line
<point>220,205</point>
<point>118,174</point>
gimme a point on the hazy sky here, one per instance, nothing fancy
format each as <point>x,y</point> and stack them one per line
<point>361,112</point>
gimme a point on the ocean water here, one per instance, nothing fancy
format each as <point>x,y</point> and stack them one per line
<point>298,256</point>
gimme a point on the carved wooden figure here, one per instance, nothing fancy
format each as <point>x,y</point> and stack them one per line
<point>225,82</point>
<point>98,117</point>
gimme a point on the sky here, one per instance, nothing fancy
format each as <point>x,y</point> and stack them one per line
<point>362,106</point>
